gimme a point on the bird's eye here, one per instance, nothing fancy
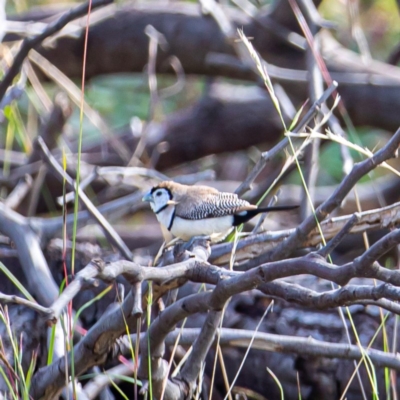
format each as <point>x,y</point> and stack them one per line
<point>158,194</point>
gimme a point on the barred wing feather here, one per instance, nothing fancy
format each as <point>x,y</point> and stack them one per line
<point>214,205</point>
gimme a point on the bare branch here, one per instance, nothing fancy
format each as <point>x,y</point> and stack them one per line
<point>289,344</point>
<point>101,381</point>
<point>47,313</point>
<point>377,250</point>
<point>19,192</point>
<point>334,242</point>
<point>359,170</point>
<point>345,296</point>
<point>201,345</point>
<point>80,281</point>
<point>108,229</point>
<point>91,350</point>
<point>41,282</point>
<point>30,43</point>
<point>255,245</point>
<point>268,155</point>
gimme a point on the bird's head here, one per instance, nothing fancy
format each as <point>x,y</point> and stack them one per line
<point>160,196</point>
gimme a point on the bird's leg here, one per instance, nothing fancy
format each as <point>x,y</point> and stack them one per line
<point>164,247</point>
<point>189,244</point>
<point>172,242</point>
<point>180,246</point>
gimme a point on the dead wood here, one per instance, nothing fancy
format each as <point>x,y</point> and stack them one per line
<point>370,93</point>
<point>312,295</point>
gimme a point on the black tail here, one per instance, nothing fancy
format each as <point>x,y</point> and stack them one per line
<point>245,216</point>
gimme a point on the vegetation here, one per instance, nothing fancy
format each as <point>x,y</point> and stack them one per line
<point>294,102</point>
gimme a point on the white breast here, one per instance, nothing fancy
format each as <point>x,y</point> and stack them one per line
<point>164,217</point>
<point>186,229</point>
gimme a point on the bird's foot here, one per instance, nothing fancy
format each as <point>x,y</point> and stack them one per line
<point>172,242</point>
<point>181,247</point>
<point>189,244</point>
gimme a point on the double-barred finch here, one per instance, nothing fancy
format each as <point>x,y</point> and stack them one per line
<point>188,211</point>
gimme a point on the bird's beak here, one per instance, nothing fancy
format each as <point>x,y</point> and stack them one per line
<point>147,197</point>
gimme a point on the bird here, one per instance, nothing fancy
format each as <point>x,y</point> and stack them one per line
<point>194,211</point>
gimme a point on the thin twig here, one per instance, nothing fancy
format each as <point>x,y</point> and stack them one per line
<point>30,43</point>
<point>201,346</point>
<point>378,249</point>
<point>334,242</point>
<point>255,245</point>
<point>19,192</point>
<point>290,344</point>
<point>108,229</point>
<point>45,311</point>
<point>155,39</point>
<point>92,350</point>
<point>136,291</point>
<point>34,264</point>
<point>268,155</point>
<point>311,155</point>
<point>92,270</point>
<point>359,170</point>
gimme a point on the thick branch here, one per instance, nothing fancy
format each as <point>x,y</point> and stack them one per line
<point>289,344</point>
<point>255,245</point>
<point>41,282</point>
<point>359,170</point>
